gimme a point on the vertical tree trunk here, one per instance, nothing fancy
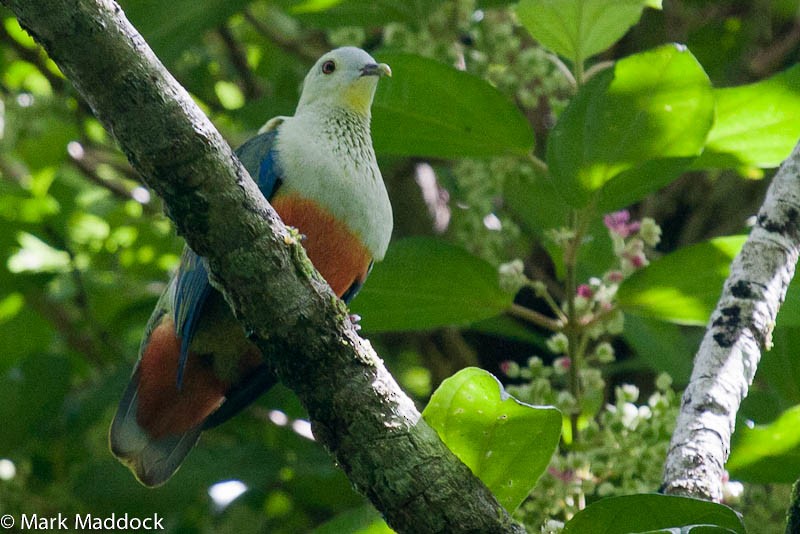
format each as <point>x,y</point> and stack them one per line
<point>740,327</point>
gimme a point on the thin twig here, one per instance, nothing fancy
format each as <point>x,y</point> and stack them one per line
<point>114,187</point>
<point>308,46</point>
<point>250,85</point>
<point>532,316</point>
<point>538,164</point>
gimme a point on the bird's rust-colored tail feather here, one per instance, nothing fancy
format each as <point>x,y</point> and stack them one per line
<point>157,424</point>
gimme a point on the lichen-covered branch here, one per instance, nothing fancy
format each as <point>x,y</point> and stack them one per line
<point>739,329</point>
<point>357,410</point>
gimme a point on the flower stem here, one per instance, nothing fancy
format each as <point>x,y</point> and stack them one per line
<point>554,325</point>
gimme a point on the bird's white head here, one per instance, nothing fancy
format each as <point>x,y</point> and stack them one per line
<point>343,78</point>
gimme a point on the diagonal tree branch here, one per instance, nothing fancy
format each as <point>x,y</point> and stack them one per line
<point>357,410</point>
<point>738,330</point>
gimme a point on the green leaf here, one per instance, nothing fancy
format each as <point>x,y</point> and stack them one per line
<point>682,287</point>
<point>431,109</point>
<point>427,283</point>
<point>369,13</point>
<point>508,328</point>
<point>165,24</point>
<point>536,202</point>
<point>631,130</point>
<point>756,124</point>
<point>651,512</point>
<point>579,29</point>
<point>30,397</point>
<point>767,453</point>
<point>362,520</point>
<point>780,367</point>
<point>505,442</point>
<point>663,347</point>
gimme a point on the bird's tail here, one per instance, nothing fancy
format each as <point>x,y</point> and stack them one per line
<point>152,460</point>
<point>157,422</point>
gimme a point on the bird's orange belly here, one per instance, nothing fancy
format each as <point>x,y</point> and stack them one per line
<point>336,252</point>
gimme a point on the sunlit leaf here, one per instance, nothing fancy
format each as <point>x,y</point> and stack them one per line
<point>428,108</point>
<point>684,286</point>
<point>632,129</point>
<point>651,512</point>
<point>767,453</point>
<point>362,520</point>
<point>579,29</point>
<point>756,124</point>
<point>10,306</point>
<point>229,94</point>
<point>34,255</point>
<point>505,442</point>
<point>314,6</point>
<point>425,283</point>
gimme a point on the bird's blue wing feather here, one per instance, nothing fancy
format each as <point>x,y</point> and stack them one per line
<point>192,286</point>
<point>191,291</point>
<point>260,159</point>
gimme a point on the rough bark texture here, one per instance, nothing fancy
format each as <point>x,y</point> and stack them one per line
<point>740,327</point>
<point>793,512</point>
<point>357,410</point>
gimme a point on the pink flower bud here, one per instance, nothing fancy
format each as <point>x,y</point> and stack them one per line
<point>615,277</point>
<point>585,291</point>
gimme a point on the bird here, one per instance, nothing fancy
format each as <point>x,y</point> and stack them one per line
<point>196,368</point>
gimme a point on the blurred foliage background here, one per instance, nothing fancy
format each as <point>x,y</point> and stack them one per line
<point>86,250</point>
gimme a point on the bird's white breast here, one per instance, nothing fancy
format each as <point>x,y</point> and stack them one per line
<point>328,158</point>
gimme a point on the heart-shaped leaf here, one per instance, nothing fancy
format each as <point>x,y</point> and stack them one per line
<point>505,442</point>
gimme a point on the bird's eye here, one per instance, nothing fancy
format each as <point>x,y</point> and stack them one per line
<point>328,67</point>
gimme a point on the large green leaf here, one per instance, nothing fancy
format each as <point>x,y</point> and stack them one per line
<point>361,520</point>
<point>431,109</point>
<point>664,347</point>
<point>631,130</point>
<point>505,442</point>
<point>579,29</point>
<point>171,27</point>
<point>756,124</point>
<point>427,283</point>
<point>776,387</point>
<point>652,512</point>
<point>767,453</point>
<point>536,202</point>
<point>369,13</point>
<point>682,287</point>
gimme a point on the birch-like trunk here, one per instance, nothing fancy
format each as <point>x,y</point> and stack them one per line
<point>739,329</point>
